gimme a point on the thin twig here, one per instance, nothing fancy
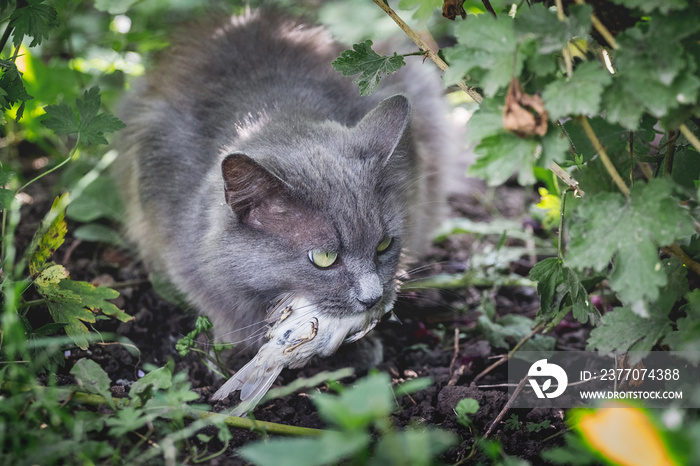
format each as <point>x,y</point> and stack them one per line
<point>600,27</point>
<point>505,409</point>
<point>510,354</point>
<point>676,250</point>
<point>609,166</point>
<point>692,139</point>
<point>434,57</point>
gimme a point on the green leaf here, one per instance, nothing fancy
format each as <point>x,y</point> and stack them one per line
<point>621,106</point>
<point>128,419</point>
<point>415,447</point>
<point>114,7</point>
<point>425,7</point>
<point>90,125</point>
<point>513,422</point>
<point>95,232</point>
<point>509,330</point>
<point>12,88</point>
<point>100,199</point>
<point>52,238</point>
<point>356,408</point>
<point>686,337</point>
<point>413,386</point>
<point>624,330</point>
<point>550,34</point>
<point>580,94</point>
<point>370,65</point>
<point>490,45</point>
<point>34,20</point>
<point>159,379</point>
<point>654,68</point>
<point>648,6</point>
<point>76,302</point>
<point>557,284</point>
<point>93,378</point>
<point>501,156</point>
<point>464,409</point>
<point>329,448</point>
<point>630,231</point>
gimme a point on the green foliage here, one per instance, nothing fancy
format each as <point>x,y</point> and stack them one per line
<point>651,218</point>
<point>34,20</point>
<point>464,409</point>
<point>561,290</point>
<point>368,64</point>
<point>90,126</point>
<point>352,413</point>
<point>512,423</point>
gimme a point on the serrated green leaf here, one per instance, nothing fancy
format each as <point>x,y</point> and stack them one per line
<point>368,64</point>
<point>425,7</point>
<point>90,125</point>
<point>128,419</point>
<point>328,448</point>
<point>501,156</point>
<point>416,447</point>
<point>630,232</point>
<point>550,34</point>
<point>686,337</point>
<point>648,6</point>
<point>93,378</point>
<point>34,20</point>
<point>370,399</point>
<point>76,302</point>
<point>621,106</point>
<point>624,330</point>
<point>12,88</point>
<point>159,379</point>
<point>580,94</point>
<point>490,45</point>
<point>52,238</point>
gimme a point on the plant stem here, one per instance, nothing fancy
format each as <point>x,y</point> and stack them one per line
<point>676,250</point>
<point>560,247</point>
<point>612,171</point>
<point>602,30</point>
<point>692,139</point>
<point>5,36</point>
<point>434,57</point>
<point>68,159</point>
<point>231,421</point>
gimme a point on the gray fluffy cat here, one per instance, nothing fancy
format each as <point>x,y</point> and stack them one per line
<point>250,168</point>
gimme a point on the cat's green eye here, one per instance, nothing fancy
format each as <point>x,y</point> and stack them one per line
<point>384,245</point>
<point>323,259</point>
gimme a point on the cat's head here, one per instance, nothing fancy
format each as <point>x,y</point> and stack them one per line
<point>321,208</point>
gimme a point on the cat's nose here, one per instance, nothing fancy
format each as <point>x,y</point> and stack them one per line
<point>369,303</point>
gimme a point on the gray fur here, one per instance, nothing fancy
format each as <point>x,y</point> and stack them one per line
<point>244,150</point>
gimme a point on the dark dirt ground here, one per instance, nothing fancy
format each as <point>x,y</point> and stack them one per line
<point>423,346</point>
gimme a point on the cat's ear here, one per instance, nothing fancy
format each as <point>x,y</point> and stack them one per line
<point>251,190</point>
<point>383,128</point>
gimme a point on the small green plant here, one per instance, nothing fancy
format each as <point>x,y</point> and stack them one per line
<point>352,414</point>
<point>188,343</point>
<point>464,410</point>
<point>513,422</point>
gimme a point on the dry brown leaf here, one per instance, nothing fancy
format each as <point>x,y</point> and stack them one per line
<point>452,8</point>
<point>524,114</point>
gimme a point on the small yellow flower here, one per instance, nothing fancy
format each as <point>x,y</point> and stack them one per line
<point>551,204</point>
